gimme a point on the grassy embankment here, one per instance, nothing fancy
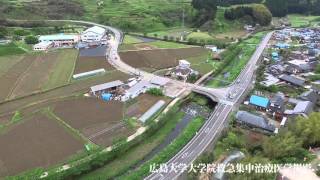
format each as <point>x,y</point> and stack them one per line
<point>244,49</point>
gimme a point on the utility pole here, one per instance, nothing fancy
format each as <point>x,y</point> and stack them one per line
<point>183,15</point>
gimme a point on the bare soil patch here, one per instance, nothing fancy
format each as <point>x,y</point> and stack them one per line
<point>36,75</point>
<point>85,64</point>
<point>36,142</point>
<point>93,117</point>
<point>143,103</point>
<point>159,58</point>
<point>8,79</point>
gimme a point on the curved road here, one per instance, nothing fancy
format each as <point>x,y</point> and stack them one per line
<point>218,119</point>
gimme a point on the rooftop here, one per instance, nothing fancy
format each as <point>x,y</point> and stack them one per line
<point>58,36</point>
<point>292,79</point>
<point>254,120</point>
<point>108,85</point>
<point>96,29</point>
<point>259,101</point>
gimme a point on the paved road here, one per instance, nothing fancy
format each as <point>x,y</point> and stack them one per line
<point>226,98</point>
<point>217,121</point>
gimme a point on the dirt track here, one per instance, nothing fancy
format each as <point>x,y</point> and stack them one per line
<point>159,58</point>
<point>37,142</point>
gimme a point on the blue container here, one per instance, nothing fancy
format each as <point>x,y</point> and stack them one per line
<point>106,96</point>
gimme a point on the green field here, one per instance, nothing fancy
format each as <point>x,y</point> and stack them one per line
<point>131,40</point>
<point>167,45</point>
<point>297,20</point>
<point>235,67</point>
<point>63,70</point>
<point>10,49</point>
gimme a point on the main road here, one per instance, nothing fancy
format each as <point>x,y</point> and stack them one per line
<point>227,99</point>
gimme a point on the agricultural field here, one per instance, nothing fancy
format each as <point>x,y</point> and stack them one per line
<point>160,58</point>
<point>142,104</point>
<point>39,141</point>
<point>297,20</point>
<point>85,64</point>
<point>231,72</point>
<point>10,49</point>
<point>152,45</point>
<point>35,72</point>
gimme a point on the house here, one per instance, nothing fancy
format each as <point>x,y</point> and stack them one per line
<point>139,88</point>
<point>310,95</point>
<point>106,87</point>
<point>213,48</point>
<point>259,102</point>
<point>43,46</point>
<point>275,56</point>
<point>277,106</point>
<point>282,45</point>
<point>254,121</point>
<point>302,108</point>
<point>269,80</point>
<point>276,69</point>
<point>184,64</point>
<point>60,39</point>
<point>183,70</point>
<point>292,80</point>
<point>93,34</point>
<point>300,66</point>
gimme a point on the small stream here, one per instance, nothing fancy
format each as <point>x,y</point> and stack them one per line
<point>191,111</point>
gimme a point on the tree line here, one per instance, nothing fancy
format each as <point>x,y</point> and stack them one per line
<point>284,7</point>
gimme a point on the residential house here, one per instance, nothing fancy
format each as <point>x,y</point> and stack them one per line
<point>300,66</point>
<point>254,121</point>
<point>303,108</point>
<point>277,105</point>
<point>292,80</point>
<point>259,102</point>
<point>276,69</point>
<point>310,95</point>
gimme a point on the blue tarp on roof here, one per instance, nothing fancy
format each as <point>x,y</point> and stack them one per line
<point>106,96</point>
<point>259,101</point>
<point>282,45</point>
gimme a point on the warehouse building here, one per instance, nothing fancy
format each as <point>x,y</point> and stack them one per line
<point>106,87</point>
<point>60,39</point>
<point>43,46</point>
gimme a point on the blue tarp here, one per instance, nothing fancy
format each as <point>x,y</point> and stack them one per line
<point>259,101</point>
<point>106,96</point>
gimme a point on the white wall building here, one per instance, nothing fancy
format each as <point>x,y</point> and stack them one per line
<point>60,39</point>
<point>43,46</point>
<point>93,34</point>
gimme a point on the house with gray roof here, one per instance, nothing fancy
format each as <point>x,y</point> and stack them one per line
<point>254,121</point>
<point>292,80</point>
<point>303,108</point>
<point>310,95</point>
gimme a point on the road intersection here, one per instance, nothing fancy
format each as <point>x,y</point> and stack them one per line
<point>226,97</point>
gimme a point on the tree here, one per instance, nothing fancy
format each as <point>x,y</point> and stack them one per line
<point>284,148</point>
<point>308,129</point>
<point>21,32</point>
<point>261,14</point>
<point>31,40</point>
<point>206,10</point>
<point>278,8</point>
<point>3,32</point>
<point>155,92</point>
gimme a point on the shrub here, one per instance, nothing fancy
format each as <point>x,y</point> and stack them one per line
<point>155,92</point>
